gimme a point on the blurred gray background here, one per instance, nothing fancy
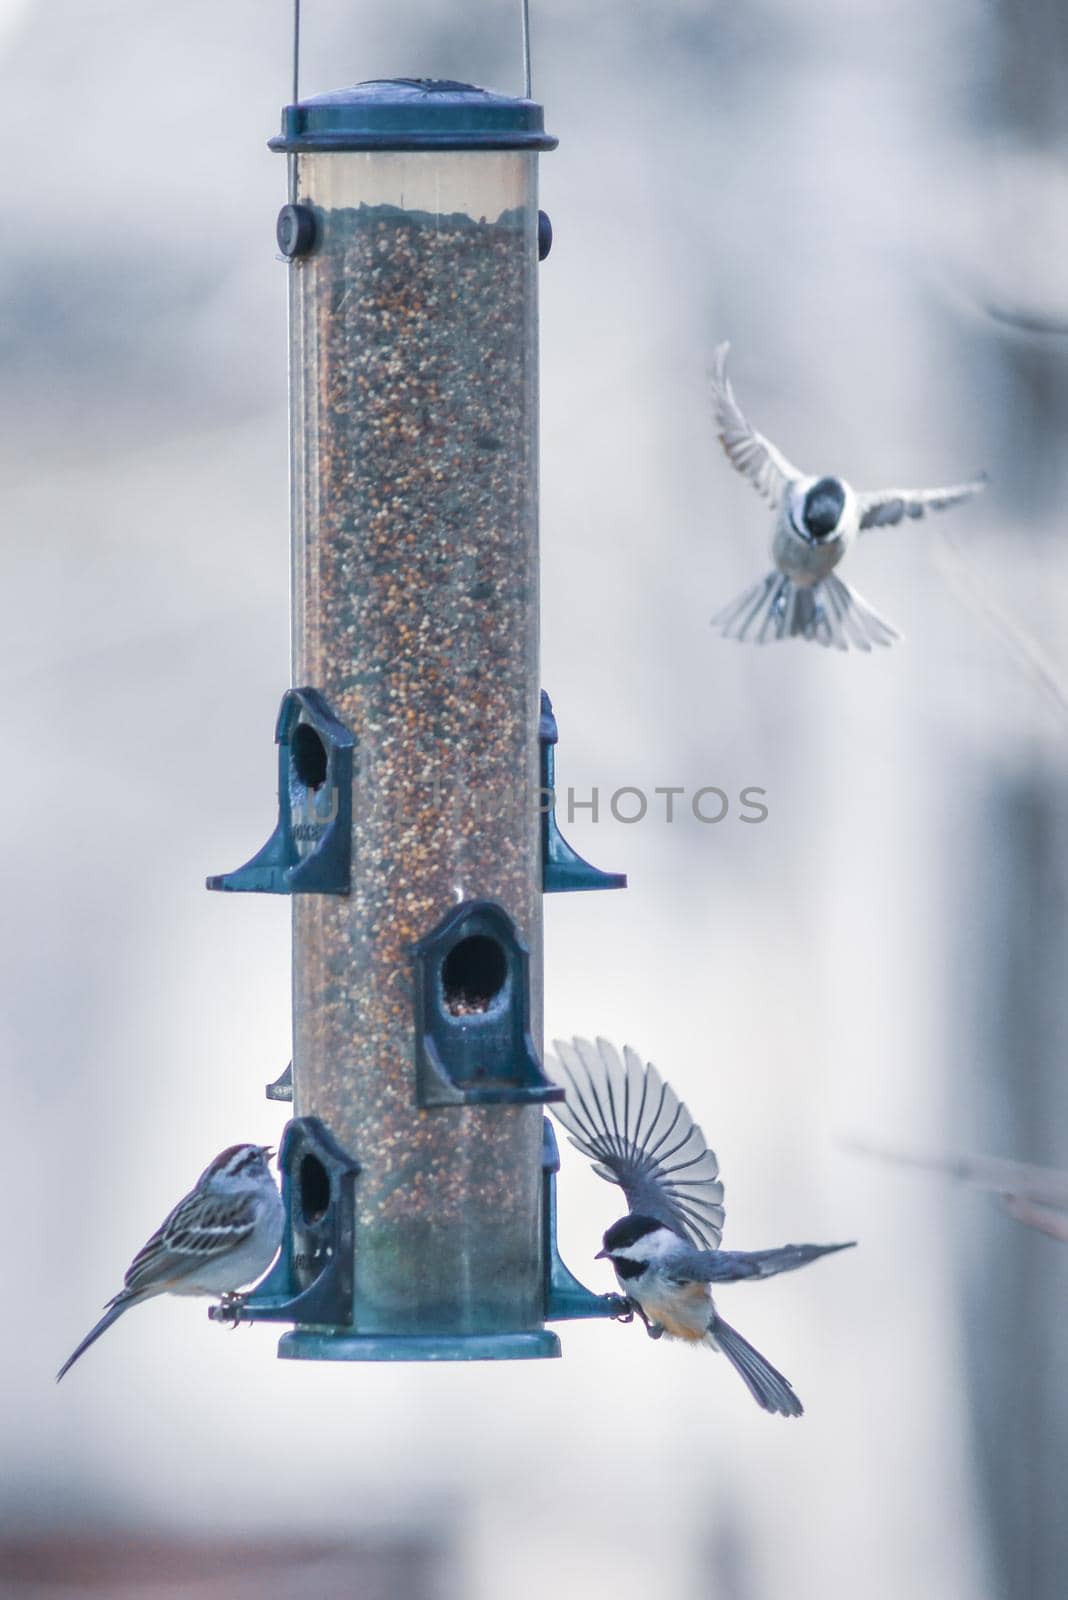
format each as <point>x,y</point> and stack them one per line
<point>842,188</point>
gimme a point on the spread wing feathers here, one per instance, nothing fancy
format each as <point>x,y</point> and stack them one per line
<point>828,613</point>
<point>755,457</point>
<point>884,507</point>
<point>729,1266</point>
<point>199,1229</point>
<point>633,1127</point>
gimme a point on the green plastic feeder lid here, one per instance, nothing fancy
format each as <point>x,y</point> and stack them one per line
<point>413,114</point>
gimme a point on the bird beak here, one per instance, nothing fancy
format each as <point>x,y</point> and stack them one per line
<point>600,1256</point>
<point>267,1152</point>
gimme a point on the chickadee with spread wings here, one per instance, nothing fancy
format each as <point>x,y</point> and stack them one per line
<point>818,519</point>
<point>622,1115</point>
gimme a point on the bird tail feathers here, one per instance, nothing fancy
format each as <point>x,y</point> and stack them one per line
<point>767,1386</point>
<point>828,613</point>
<point>121,1303</point>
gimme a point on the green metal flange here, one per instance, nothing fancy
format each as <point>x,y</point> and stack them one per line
<point>566,1298</point>
<point>562,868</point>
<point>326,1344</point>
<point>479,1050</point>
<point>310,850</point>
<point>412,114</point>
<point>282,1087</point>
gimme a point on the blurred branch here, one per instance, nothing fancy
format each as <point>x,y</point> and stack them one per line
<point>1026,321</point>
<point>1051,1222</point>
<point>1035,1196</point>
<point>1025,651</point>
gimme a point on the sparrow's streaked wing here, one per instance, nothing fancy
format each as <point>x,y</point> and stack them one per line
<point>199,1229</point>
<point>730,1266</point>
<point>633,1127</point>
<point>884,507</point>
<point>753,455</point>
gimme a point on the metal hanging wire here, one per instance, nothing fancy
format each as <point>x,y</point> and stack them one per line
<point>528,77</point>
<point>291,158</point>
<point>528,83</point>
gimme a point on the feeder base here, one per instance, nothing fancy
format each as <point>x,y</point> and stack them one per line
<point>312,1344</point>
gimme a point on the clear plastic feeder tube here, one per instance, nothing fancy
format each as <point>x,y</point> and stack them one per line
<point>415,612</point>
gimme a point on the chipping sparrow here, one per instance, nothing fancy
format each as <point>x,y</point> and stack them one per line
<point>818,520</point>
<point>224,1234</point>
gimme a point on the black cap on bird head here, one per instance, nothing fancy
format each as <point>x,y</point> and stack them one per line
<point>823,507</point>
<point>626,1232</point>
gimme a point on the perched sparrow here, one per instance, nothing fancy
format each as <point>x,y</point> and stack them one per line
<point>665,1251</point>
<point>818,520</point>
<point>223,1235</point>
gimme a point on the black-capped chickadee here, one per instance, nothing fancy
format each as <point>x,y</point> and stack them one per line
<point>818,520</point>
<point>665,1251</point>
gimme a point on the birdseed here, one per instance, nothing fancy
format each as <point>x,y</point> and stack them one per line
<point>416,614</point>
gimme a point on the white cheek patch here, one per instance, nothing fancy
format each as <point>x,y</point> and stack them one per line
<point>661,1243</point>
<point>795,506</point>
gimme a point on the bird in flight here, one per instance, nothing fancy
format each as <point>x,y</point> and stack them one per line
<point>818,518</point>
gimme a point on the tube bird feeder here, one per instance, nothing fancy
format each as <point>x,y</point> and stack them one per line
<point>414,832</point>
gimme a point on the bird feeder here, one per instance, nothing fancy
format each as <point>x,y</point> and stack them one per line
<point>414,832</point>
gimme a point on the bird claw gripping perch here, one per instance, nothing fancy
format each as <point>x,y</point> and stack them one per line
<point>230,1309</point>
<point>630,1310</point>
